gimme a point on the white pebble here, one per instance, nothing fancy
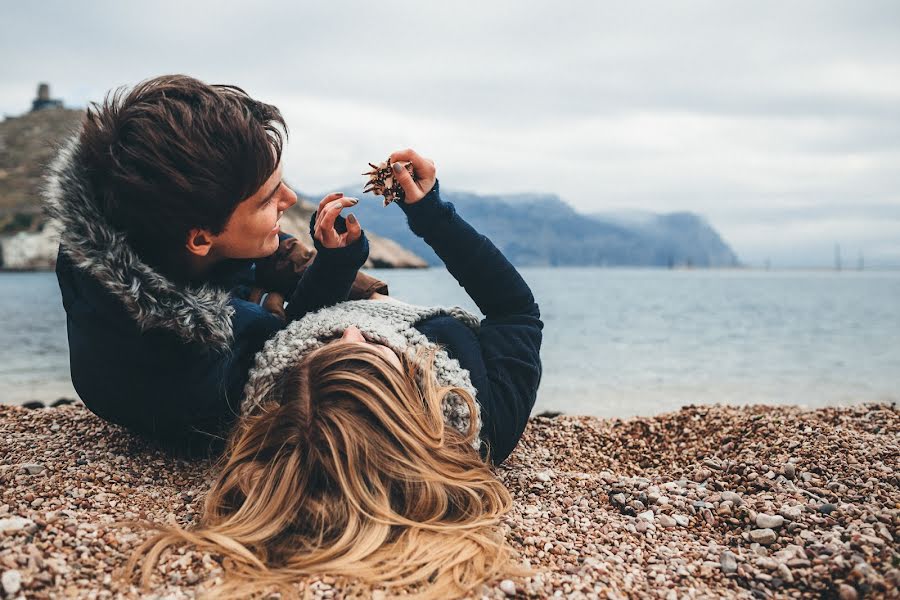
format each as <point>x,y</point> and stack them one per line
<point>508,587</point>
<point>646,516</point>
<point>32,468</point>
<point>12,582</point>
<point>14,524</point>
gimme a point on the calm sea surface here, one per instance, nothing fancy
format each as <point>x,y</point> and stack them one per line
<point>616,342</point>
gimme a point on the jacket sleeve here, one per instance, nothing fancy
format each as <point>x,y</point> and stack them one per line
<point>511,332</point>
<point>330,277</point>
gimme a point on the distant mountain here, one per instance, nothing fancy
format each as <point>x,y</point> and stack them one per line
<point>685,238</point>
<point>541,229</point>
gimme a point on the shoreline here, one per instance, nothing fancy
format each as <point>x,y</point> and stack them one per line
<point>710,500</point>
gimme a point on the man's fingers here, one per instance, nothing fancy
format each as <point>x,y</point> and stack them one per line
<point>255,295</point>
<point>275,304</point>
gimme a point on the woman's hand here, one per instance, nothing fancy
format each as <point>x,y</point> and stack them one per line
<point>328,216</point>
<point>426,174</point>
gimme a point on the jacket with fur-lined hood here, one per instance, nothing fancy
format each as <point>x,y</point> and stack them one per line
<point>161,358</point>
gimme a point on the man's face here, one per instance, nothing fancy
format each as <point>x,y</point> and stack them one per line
<point>252,230</point>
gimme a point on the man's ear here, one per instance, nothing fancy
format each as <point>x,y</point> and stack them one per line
<point>199,242</point>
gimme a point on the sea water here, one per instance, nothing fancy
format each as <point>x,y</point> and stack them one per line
<point>617,342</point>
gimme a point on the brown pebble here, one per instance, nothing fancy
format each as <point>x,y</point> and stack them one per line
<point>563,521</point>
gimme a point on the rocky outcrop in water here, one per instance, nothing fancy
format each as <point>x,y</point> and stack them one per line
<point>26,251</point>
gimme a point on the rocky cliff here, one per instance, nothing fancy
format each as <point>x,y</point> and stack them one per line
<point>29,142</point>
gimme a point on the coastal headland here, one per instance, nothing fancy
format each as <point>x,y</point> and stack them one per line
<point>709,501</point>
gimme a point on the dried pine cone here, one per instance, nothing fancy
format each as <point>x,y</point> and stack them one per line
<point>382,183</point>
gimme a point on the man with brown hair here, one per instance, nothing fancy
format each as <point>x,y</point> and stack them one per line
<point>168,201</point>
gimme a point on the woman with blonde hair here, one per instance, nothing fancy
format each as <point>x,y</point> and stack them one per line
<point>368,430</point>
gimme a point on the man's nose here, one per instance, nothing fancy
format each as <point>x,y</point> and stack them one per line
<point>288,199</point>
<point>352,334</point>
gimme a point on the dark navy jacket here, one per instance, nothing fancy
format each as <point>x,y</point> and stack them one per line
<point>503,358</point>
<point>164,359</point>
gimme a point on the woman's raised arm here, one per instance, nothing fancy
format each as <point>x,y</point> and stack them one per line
<point>511,332</point>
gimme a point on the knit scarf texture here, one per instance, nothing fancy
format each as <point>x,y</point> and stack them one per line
<point>388,322</point>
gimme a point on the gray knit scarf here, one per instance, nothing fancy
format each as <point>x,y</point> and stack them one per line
<point>389,322</point>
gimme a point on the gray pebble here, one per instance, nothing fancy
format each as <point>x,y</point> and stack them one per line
<point>728,561</point>
<point>731,497</point>
<point>763,536</point>
<point>666,521</point>
<point>764,521</point>
<point>785,573</point>
<point>791,512</point>
<point>32,468</point>
<point>789,470</point>
<point>827,509</point>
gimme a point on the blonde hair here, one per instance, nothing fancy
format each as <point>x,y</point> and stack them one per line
<point>349,470</point>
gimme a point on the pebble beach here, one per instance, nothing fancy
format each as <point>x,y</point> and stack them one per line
<point>709,501</point>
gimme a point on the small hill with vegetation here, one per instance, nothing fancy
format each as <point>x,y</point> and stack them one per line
<point>27,144</point>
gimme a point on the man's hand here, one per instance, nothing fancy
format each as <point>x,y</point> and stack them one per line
<point>327,215</point>
<point>426,174</point>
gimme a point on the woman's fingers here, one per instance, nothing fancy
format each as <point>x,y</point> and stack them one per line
<point>334,208</point>
<point>329,198</point>
<point>411,190</point>
<point>423,167</point>
<point>324,229</point>
<point>425,174</point>
<point>353,229</point>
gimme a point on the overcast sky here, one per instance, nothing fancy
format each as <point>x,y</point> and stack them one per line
<point>777,121</point>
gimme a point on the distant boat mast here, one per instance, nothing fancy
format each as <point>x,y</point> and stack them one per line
<point>837,257</point>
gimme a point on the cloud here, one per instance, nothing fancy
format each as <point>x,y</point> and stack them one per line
<point>758,115</point>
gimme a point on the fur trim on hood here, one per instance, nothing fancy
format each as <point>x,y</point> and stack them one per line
<point>196,314</point>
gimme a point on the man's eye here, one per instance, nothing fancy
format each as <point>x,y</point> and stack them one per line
<point>272,195</point>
